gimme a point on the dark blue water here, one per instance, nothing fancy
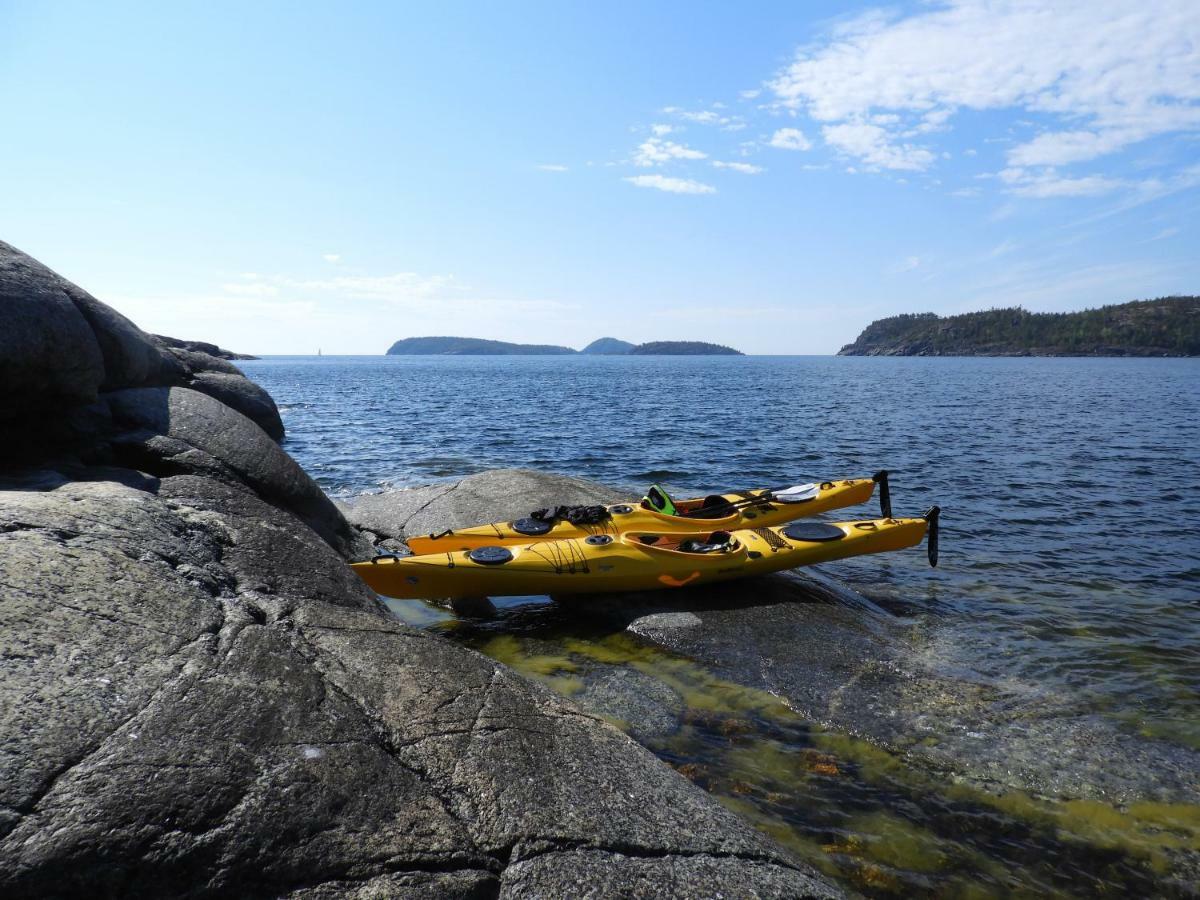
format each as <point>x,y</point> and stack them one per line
<point>1069,557</point>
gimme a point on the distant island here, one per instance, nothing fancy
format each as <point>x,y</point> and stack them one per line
<point>608,346</point>
<point>1168,326</point>
<point>460,346</point>
<point>683,348</point>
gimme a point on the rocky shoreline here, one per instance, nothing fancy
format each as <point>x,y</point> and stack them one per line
<point>198,698</point>
<point>836,658</point>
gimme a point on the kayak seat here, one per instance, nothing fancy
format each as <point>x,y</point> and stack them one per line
<point>714,507</point>
<point>717,542</point>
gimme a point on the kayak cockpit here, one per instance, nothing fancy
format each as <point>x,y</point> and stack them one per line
<point>702,544</point>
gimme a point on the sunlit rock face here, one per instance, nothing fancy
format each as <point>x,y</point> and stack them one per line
<point>198,697</point>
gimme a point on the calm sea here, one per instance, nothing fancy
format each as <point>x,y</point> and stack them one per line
<point>1068,486</point>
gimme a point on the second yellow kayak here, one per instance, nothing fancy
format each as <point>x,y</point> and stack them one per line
<point>717,512</point>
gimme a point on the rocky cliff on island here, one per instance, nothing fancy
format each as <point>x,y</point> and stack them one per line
<point>683,348</point>
<point>1169,326</point>
<point>199,698</point>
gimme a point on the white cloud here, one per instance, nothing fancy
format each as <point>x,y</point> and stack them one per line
<point>744,168</point>
<point>749,95</point>
<point>552,167</point>
<point>870,144</point>
<point>671,185</point>
<point>790,139</point>
<point>1048,183</point>
<point>1103,74</point>
<point>655,152</point>
<point>662,130</point>
<point>332,257</point>
<point>251,290</point>
<point>707,117</point>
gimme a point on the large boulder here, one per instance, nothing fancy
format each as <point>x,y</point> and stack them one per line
<point>201,347</point>
<point>493,496</point>
<point>60,348</point>
<point>49,355</point>
<point>197,697</point>
<point>175,430</point>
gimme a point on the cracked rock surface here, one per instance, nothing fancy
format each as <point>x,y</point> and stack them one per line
<point>199,698</point>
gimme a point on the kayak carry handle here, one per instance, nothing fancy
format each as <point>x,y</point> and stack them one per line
<point>885,493</point>
<point>931,516</point>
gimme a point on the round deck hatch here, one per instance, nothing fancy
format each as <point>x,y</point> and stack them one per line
<point>531,526</point>
<point>490,556</point>
<point>813,531</point>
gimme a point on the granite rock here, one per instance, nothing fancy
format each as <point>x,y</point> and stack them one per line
<point>199,698</point>
<point>492,496</point>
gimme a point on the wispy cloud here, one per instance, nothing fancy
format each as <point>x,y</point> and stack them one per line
<point>708,117</point>
<point>1048,183</point>
<point>552,167</point>
<point>252,289</point>
<point>908,264</point>
<point>655,152</point>
<point>744,168</point>
<point>1162,235</point>
<point>671,185</point>
<point>789,139</point>
<point>332,257</point>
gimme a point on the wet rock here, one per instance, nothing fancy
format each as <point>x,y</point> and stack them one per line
<point>878,678</point>
<point>645,706</point>
<point>616,874</point>
<point>652,625</point>
<point>493,496</point>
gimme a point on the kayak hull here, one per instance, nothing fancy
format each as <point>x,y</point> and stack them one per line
<point>758,510</point>
<point>626,563</point>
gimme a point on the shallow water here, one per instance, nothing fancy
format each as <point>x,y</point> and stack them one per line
<point>1068,489</point>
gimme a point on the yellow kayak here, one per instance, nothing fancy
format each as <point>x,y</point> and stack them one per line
<point>716,512</point>
<point>638,560</point>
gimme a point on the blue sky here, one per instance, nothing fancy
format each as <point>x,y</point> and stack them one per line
<point>283,177</point>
